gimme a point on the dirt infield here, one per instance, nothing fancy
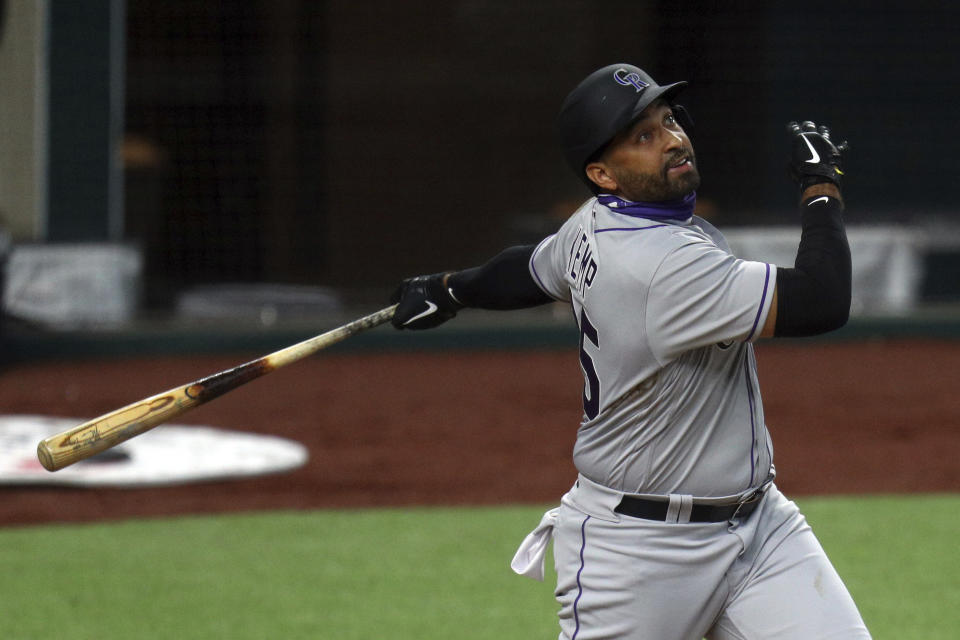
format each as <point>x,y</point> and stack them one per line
<point>497,427</point>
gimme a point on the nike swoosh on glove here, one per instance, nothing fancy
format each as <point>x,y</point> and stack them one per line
<point>814,158</point>
<point>423,303</point>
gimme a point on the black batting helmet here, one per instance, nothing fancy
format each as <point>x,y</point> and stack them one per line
<point>601,106</point>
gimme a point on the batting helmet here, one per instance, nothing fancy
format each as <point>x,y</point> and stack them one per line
<point>601,106</point>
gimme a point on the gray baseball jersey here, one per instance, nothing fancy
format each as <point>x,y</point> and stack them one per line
<point>672,409</point>
<point>666,316</point>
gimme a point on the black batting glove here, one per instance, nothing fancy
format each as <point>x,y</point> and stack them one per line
<point>423,303</point>
<point>814,158</point>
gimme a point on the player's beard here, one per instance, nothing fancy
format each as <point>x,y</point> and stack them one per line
<point>658,187</point>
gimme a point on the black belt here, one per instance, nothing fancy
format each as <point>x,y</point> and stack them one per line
<point>657,509</point>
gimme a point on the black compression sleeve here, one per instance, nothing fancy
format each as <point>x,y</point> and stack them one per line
<point>502,283</point>
<point>814,296</point>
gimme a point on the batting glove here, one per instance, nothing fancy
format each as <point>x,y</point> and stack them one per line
<point>814,158</point>
<point>423,303</point>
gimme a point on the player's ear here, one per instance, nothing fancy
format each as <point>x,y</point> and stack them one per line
<point>600,175</point>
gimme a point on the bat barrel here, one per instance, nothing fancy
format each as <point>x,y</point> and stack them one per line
<point>45,456</point>
<point>90,438</point>
<point>54,457</point>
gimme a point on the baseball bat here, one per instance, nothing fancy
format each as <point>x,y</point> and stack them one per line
<point>92,437</point>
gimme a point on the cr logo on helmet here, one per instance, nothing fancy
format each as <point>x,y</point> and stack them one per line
<point>627,78</point>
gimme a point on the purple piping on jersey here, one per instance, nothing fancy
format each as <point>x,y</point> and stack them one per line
<point>583,544</point>
<point>763,299</point>
<point>533,270</point>
<point>629,228</point>
<point>669,210</point>
<point>753,426</point>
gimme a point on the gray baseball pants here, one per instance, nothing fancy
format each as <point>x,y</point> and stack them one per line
<point>759,578</point>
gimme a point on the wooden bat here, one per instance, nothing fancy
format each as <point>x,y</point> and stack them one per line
<point>110,429</point>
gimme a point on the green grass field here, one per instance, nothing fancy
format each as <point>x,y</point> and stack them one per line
<point>406,573</point>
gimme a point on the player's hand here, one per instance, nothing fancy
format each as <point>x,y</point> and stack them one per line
<point>423,303</point>
<point>814,158</point>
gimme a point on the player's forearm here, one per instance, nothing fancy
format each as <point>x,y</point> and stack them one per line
<point>814,296</point>
<point>822,189</point>
<point>502,283</point>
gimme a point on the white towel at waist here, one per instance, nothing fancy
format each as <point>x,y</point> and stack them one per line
<point>529,558</point>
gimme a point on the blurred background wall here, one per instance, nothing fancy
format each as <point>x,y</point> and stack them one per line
<point>22,194</point>
<point>351,143</point>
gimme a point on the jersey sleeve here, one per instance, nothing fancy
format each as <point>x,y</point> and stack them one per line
<point>547,266</point>
<point>702,295</point>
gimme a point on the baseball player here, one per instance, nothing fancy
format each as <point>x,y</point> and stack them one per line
<point>674,528</point>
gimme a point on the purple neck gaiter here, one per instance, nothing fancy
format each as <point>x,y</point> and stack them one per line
<point>668,210</point>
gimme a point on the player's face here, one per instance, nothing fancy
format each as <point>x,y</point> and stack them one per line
<point>651,161</point>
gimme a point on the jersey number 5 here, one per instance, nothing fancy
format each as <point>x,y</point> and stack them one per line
<point>591,389</point>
